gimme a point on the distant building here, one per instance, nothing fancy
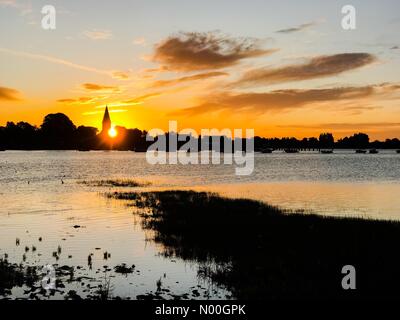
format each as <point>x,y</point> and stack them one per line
<point>106,122</point>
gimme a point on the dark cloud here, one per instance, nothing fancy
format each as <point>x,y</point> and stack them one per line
<point>191,51</point>
<point>318,67</point>
<point>199,76</point>
<point>99,87</point>
<point>298,28</point>
<point>9,94</point>
<point>278,100</point>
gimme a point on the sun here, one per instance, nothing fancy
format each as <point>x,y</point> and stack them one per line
<point>112,132</point>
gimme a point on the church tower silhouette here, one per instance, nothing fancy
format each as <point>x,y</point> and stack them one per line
<point>106,122</point>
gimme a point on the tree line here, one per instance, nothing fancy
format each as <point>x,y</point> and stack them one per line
<point>58,132</point>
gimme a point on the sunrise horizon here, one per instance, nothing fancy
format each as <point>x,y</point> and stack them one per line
<point>316,132</point>
<point>295,77</point>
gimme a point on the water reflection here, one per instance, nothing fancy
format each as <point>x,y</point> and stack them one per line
<point>377,200</point>
<point>42,199</point>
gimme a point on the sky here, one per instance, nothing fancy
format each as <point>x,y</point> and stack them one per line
<point>283,68</point>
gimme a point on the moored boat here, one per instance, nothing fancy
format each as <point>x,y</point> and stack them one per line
<point>268,150</point>
<point>361,151</point>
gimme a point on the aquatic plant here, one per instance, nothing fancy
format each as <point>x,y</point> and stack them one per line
<point>124,269</point>
<point>258,251</point>
<point>159,284</point>
<point>115,183</point>
<point>12,275</point>
<point>104,291</point>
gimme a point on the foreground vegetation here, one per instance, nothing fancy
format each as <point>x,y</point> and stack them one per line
<point>261,252</point>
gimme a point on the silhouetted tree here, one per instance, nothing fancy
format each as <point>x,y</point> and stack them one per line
<point>313,143</point>
<point>57,131</point>
<point>361,140</point>
<point>21,135</point>
<point>86,137</point>
<point>326,140</point>
<point>356,141</point>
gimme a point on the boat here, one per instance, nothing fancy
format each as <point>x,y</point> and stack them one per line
<point>398,151</point>
<point>83,149</point>
<point>290,150</point>
<point>326,151</point>
<point>373,151</point>
<point>361,151</point>
<point>268,150</point>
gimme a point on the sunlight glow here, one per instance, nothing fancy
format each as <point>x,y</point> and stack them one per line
<point>112,132</point>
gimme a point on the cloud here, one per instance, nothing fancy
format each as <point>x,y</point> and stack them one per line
<point>317,67</point>
<point>298,28</point>
<point>98,34</point>
<point>99,87</point>
<point>121,75</point>
<point>191,51</point>
<point>90,113</point>
<point>80,100</point>
<point>67,100</point>
<point>345,126</point>
<point>8,3</point>
<point>23,8</point>
<point>141,99</point>
<point>139,41</point>
<point>9,94</point>
<point>200,76</point>
<point>55,61</point>
<point>278,100</point>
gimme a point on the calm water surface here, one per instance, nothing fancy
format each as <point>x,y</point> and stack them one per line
<point>35,203</point>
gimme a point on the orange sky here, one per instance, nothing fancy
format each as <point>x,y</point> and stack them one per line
<point>296,77</point>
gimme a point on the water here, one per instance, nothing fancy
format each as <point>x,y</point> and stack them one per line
<point>41,197</point>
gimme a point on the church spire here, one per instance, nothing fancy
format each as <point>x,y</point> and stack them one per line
<point>106,121</point>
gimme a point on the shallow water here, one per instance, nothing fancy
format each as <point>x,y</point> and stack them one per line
<point>41,197</point>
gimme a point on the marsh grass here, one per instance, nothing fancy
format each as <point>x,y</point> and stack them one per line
<point>123,183</point>
<point>104,292</point>
<point>12,275</point>
<point>124,269</point>
<point>259,251</point>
